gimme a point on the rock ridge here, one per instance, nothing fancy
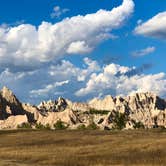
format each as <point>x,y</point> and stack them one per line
<point>139,110</point>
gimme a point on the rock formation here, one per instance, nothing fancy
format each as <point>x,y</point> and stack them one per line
<point>12,122</point>
<point>53,106</point>
<point>9,104</point>
<point>67,116</point>
<point>135,111</point>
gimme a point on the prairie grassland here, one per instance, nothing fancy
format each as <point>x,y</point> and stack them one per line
<point>83,148</point>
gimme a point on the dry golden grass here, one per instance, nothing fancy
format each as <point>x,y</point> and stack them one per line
<point>83,148</point>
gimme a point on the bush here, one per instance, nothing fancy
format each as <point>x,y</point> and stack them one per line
<point>92,126</point>
<point>100,112</point>
<point>119,121</point>
<point>59,125</point>
<point>48,127</point>
<point>81,127</point>
<point>138,125</point>
<point>41,126</point>
<point>24,126</point>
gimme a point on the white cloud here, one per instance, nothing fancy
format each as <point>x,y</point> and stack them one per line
<point>27,45</point>
<point>76,76</point>
<point>78,47</point>
<point>47,89</point>
<point>7,76</point>
<point>155,27</point>
<point>58,11</point>
<point>67,70</point>
<point>108,81</point>
<point>81,83</point>
<point>143,52</point>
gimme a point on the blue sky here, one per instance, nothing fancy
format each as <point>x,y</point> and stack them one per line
<point>81,53</point>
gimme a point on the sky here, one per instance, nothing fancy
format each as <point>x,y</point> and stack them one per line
<point>81,49</point>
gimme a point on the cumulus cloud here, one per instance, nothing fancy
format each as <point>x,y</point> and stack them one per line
<point>154,27</point>
<point>58,11</point>
<point>7,76</point>
<point>47,89</point>
<point>27,45</point>
<point>67,70</point>
<point>19,82</point>
<point>143,52</point>
<point>109,81</point>
<point>82,83</point>
<point>78,47</point>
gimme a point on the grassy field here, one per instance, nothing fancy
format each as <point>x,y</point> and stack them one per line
<point>83,148</point>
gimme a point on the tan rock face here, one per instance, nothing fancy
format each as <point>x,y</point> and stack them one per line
<point>32,112</point>
<point>9,96</point>
<point>9,104</point>
<point>105,104</point>
<point>146,108</point>
<point>13,122</point>
<point>76,106</point>
<point>67,116</point>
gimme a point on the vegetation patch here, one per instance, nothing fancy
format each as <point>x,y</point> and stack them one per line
<point>119,120</point>
<point>92,126</point>
<point>42,127</point>
<point>59,125</point>
<point>83,148</point>
<point>97,112</point>
<point>24,126</point>
<point>138,125</point>
<point>81,127</point>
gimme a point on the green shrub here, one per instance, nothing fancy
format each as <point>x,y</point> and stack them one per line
<point>42,127</point>
<point>119,121</point>
<point>81,127</point>
<point>48,127</point>
<point>24,126</point>
<point>138,125</point>
<point>99,112</point>
<point>59,125</point>
<point>92,126</point>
